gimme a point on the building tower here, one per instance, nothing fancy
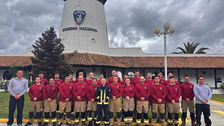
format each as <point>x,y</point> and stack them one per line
<point>83,27</point>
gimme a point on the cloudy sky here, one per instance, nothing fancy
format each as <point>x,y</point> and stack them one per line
<point>130,23</point>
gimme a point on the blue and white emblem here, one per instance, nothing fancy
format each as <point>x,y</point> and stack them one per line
<point>79,16</point>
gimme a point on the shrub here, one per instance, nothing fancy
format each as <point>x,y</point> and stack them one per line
<point>4,84</point>
<point>222,85</point>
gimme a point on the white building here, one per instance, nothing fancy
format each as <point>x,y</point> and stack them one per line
<point>84,29</point>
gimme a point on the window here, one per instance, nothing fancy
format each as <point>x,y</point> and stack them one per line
<point>131,74</point>
<point>93,40</point>
<point>219,80</point>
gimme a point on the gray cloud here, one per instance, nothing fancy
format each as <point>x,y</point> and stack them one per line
<point>200,21</point>
<point>23,21</point>
<point>130,23</point>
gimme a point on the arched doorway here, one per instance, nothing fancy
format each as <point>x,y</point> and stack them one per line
<point>7,75</point>
<point>80,70</point>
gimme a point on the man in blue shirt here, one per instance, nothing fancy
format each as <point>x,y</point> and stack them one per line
<point>202,95</point>
<point>17,88</point>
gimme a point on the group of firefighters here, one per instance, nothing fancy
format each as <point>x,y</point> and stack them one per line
<point>94,99</point>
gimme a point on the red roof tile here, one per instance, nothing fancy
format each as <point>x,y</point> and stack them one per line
<point>22,61</point>
<point>126,62</point>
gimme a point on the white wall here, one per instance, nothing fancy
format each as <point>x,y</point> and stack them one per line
<point>80,40</point>
<point>188,72</point>
<point>1,74</point>
<point>220,74</point>
<point>209,76</point>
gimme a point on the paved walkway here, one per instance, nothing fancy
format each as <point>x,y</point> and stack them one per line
<point>217,115</point>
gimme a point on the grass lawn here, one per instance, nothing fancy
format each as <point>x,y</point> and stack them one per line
<point>218,97</point>
<point>4,105</point>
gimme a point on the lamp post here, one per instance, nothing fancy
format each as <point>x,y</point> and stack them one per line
<point>168,30</point>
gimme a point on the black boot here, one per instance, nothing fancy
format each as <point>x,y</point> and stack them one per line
<point>83,123</point>
<point>45,124</point>
<point>83,115</point>
<point>76,124</point>
<point>28,123</point>
<point>39,124</point>
<point>90,123</point>
<point>89,115</point>
<point>130,116</point>
<point>192,115</point>
<point>125,115</point>
<point>54,124</point>
<point>170,119</point>
<point>146,119</point>
<point>31,115</point>
<point>176,117</point>
<point>68,124</point>
<point>183,118</point>
<point>39,115</point>
<point>138,120</point>
<point>47,117</point>
<point>77,114</point>
<point>53,117</point>
<point>60,116</point>
<point>94,115</point>
<point>68,116</point>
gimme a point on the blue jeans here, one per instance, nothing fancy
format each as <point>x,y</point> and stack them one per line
<point>13,103</point>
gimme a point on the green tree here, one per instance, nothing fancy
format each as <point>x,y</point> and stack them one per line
<point>48,57</point>
<point>191,48</point>
<point>13,69</point>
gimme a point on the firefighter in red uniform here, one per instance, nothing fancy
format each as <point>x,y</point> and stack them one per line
<point>58,82</point>
<point>57,79</point>
<point>89,81</point>
<point>36,100</point>
<point>65,99</point>
<point>91,106</point>
<point>187,101</point>
<point>99,81</point>
<point>80,97</point>
<point>111,79</point>
<point>123,81</point>
<point>42,79</point>
<point>158,92</point>
<point>142,92</point>
<point>173,101</point>
<point>135,80</point>
<point>162,81</point>
<point>115,102</point>
<point>81,74</point>
<point>149,79</point>
<point>71,79</point>
<point>168,81</point>
<point>128,101</point>
<point>50,93</point>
